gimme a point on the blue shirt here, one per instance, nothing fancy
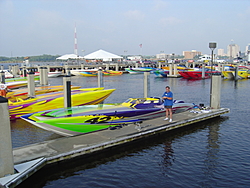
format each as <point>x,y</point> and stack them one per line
<point>168,102</point>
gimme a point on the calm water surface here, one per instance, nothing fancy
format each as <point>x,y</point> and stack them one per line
<point>213,154</point>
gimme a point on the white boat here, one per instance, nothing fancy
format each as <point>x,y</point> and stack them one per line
<point>54,74</point>
<point>139,70</point>
<point>7,74</point>
<point>76,72</point>
<point>51,74</point>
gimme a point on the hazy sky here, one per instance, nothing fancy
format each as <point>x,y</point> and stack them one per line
<point>36,27</point>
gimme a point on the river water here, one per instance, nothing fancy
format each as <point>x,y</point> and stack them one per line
<point>212,154</point>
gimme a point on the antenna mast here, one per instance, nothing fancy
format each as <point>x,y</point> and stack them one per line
<point>75,50</point>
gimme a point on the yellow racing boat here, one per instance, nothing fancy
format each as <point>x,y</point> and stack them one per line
<point>23,93</point>
<point>47,101</point>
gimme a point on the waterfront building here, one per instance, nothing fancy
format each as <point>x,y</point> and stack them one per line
<point>161,56</point>
<point>221,52</point>
<point>233,50</point>
<point>190,54</point>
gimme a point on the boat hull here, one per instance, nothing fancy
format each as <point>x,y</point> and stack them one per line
<point>93,73</point>
<point>56,100</point>
<point>86,119</point>
<point>23,93</point>
<point>197,74</point>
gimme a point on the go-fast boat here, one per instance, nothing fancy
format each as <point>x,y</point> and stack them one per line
<point>90,118</point>
<point>51,74</point>
<point>94,72</point>
<point>139,70</point>
<point>23,93</point>
<point>197,74</point>
<point>56,100</point>
<point>161,73</point>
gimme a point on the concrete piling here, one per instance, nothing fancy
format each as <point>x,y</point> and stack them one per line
<point>31,84</point>
<point>175,69</point>
<point>193,64</point>
<point>159,65</point>
<point>236,76</point>
<point>40,69</point>
<point>100,78</point>
<point>24,71</point>
<point>82,66</point>
<point>215,91</point>
<point>6,155</point>
<point>15,70</point>
<point>146,82</point>
<point>10,68</point>
<point>203,71</point>
<point>107,66</point>
<point>170,69</point>
<point>44,74</point>
<point>2,77</point>
<point>67,91</point>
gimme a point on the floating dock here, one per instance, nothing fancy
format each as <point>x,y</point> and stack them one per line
<point>29,159</point>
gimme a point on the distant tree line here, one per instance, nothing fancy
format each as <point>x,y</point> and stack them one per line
<point>40,58</point>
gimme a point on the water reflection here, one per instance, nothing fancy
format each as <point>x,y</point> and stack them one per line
<point>24,133</point>
<point>213,148</point>
<point>168,156</point>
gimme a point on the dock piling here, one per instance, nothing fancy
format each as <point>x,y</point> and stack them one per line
<point>31,84</point>
<point>67,91</point>
<point>100,78</point>
<point>107,66</point>
<point>203,71</point>
<point>2,77</point>
<point>40,69</point>
<point>44,76</point>
<point>175,69</point>
<point>146,84</point>
<point>236,76</point>
<point>215,91</point>
<point>6,155</point>
<point>170,69</point>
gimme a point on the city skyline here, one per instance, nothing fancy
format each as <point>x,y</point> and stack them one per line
<point>37,27</point>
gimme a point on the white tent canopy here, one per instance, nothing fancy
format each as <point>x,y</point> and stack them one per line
<point>69,56</point>
<point>103,55</point>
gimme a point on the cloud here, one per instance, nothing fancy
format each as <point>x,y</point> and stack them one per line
<point>169,20</point>
<point>135,15</point>
<point>159,5</point>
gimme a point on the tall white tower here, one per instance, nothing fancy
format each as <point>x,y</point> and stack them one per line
<point>75,49</point>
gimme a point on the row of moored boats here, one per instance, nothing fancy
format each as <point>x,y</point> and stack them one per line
<point>87,114</point>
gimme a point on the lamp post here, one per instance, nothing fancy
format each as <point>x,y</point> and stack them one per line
<point>212,46</point>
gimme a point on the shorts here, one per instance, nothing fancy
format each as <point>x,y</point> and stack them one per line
<point>3,93</point>
<point>168,107</point>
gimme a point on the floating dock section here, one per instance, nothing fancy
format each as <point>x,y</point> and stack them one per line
<point>50,152</point>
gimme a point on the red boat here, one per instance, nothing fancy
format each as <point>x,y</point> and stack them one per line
<point>196,74</point>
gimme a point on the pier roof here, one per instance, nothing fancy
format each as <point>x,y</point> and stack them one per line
<point>69,56</point>
<point>101,54</point>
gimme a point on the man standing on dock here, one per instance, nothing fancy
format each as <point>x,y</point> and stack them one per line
<point>3,89</point>
<point>168,103</point>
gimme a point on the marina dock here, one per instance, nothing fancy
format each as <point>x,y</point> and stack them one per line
<point>44,154</point>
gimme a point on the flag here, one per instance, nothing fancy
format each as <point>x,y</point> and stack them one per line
<point>140,45</point>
